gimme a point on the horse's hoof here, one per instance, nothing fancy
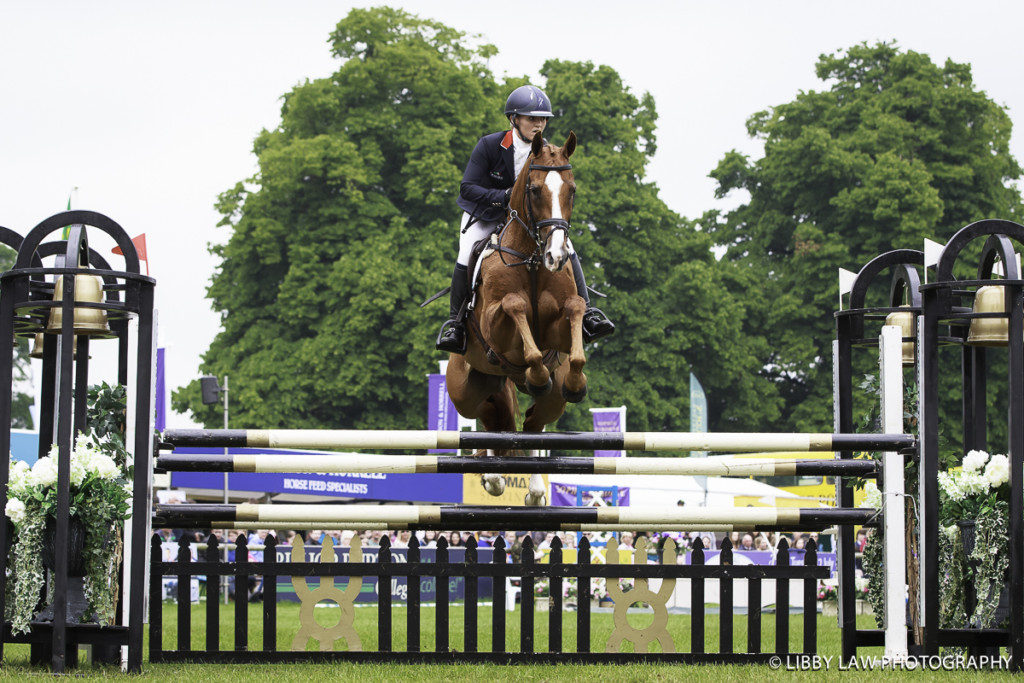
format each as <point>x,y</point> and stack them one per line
<point>574,396</point>
<point>536,499</point>
<point>539,390</point>
<point>494,484</point>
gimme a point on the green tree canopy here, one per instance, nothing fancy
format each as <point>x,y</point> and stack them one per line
<point>894,150</point>
<point>351,221</point>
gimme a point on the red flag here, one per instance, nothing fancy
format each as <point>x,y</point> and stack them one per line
<point>140,248</point>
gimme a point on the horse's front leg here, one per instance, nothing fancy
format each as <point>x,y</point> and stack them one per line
<point>538,378</point>
<point>574,386</point>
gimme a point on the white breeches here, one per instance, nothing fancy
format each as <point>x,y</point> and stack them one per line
<point>476,232</point>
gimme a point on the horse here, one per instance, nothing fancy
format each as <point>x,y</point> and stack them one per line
<point>525,327</point>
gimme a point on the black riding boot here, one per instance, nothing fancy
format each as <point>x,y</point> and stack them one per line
<point>595,323</point>
<point>452,337</point>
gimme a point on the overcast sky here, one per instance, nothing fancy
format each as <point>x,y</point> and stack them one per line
<point>150,109</point>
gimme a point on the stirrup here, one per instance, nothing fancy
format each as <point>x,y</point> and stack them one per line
<point>452,337</point>
<point>596,325</point>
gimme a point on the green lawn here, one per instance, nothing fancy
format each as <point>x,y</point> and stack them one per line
<point>366,625</point>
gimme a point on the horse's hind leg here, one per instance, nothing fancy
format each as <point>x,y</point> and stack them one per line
<point>538,378</point>
<point>545,410</point>
<point>485,398</point>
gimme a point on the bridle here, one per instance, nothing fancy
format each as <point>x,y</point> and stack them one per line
<point>533,227</point>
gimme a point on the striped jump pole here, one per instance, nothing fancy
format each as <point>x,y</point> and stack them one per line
<point>411,464</point>
<point>495,518</point>
<point>347,439</point>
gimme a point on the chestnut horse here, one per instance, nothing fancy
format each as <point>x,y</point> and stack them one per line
<point>525,329</point>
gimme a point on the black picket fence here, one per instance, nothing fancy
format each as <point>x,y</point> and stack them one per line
<point>213,567</point>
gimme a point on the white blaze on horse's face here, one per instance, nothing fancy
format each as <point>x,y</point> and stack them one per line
<point>557,252</point>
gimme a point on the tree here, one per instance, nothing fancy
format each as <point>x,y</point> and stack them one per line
<point>896,149</point>
<point>351,221</point>
<point>21,402</point>
<point>669,296</point>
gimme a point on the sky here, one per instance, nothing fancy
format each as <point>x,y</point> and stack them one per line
<point>150,110</point>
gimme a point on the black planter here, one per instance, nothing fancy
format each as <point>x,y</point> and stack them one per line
<point>76,604</point>
<point>75,547</point>
<point>967,538</point>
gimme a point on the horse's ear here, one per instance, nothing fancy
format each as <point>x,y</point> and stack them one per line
<point>570,145</point>
<point>538,143</point>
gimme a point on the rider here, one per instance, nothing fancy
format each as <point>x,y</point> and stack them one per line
<point>486,186</point>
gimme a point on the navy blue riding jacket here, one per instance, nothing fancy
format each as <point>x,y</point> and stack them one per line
<point>490,171</point>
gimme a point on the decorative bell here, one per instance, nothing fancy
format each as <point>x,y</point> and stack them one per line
<point>88,321</point>
<point>989,331</point>
<point>905,321</point>
<point>37,347</point>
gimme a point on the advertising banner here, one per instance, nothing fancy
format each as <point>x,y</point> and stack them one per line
<point>420,488</point>
<point>441,414</point>
<point>565,494</point>
<point>609,420</point>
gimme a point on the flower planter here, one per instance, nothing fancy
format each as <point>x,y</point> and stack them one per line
<point>76,544</point>
<point>76,603</point>
<point>967,538</point>
<point>542,603</point>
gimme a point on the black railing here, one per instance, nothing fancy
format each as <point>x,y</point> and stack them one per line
<point>498,569</point>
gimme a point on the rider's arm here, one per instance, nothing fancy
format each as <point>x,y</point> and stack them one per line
<point>477,177</point>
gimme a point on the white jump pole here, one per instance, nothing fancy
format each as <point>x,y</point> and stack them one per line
<point>890,360</point>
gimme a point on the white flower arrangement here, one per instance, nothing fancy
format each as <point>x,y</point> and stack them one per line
<point>974,461</point>
<point>100,495</point>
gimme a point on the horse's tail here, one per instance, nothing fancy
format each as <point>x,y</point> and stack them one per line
<point>512,396</point>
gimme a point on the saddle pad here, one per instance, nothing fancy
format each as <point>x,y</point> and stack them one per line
<point>481,250</point>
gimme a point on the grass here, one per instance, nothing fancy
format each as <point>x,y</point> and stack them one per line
<point>16,657</point>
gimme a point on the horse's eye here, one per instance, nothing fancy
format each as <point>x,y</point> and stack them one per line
<point>535,189</point>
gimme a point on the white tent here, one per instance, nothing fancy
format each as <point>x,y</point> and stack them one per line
<point>669,489</point>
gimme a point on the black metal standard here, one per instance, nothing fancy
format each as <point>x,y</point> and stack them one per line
<point>904,296</point>
<point>416,572</point>
<point>942,306</point>
<point>26,300</point>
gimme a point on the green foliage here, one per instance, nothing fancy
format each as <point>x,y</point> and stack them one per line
<point>896,149</point>
<point>21,402</point>
<point>105,419</point>
<point>351,221</point>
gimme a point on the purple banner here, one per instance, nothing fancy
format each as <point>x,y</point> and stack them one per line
<point>441,414</point>
<point>565,494</point>
<point>425,488</point>
<point>609,420</point>
<point>161,391</point>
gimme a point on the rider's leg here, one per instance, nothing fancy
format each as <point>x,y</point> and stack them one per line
<point>595,323</point>
<point>452,337</point>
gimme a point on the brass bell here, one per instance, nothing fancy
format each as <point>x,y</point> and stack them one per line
<point>905,321</point>
<point>88,321</point>
<point>37,347</point>
<point>989,331</point>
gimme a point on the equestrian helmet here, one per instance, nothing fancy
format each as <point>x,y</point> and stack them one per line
<point>528,100</point>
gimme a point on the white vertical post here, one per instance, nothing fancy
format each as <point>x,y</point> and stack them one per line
<point>890,359</point>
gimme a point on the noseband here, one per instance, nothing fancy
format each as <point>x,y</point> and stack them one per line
<point>533,227</point>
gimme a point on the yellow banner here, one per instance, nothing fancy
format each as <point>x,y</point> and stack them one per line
<point>516,488</point>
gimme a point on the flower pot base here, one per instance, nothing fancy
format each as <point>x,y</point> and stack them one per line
<point>76,604</point>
